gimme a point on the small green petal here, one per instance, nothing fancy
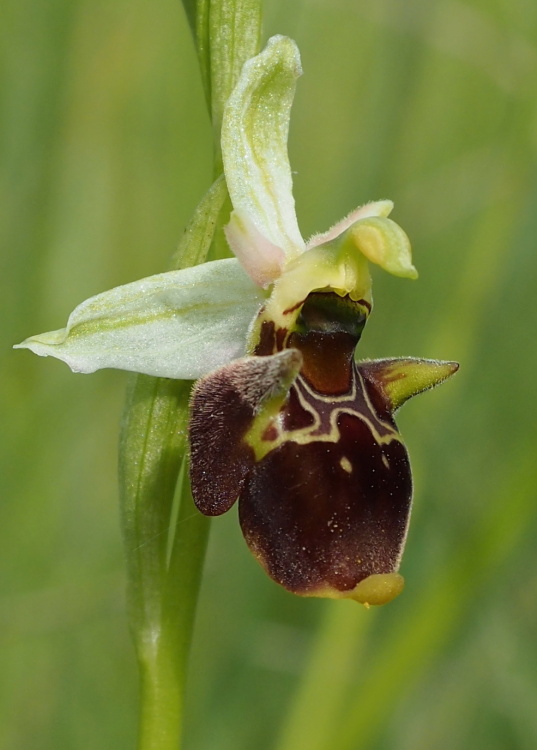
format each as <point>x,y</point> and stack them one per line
<point>180,324</point>
<point>254,144</point>
<point>383,242</point>
<point>375,208</point>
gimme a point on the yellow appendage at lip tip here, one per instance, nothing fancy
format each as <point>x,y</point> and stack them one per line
<point>376,589</point>
<point>380,588</point>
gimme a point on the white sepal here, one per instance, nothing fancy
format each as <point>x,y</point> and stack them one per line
<point>254,148</point>
<point>181,324</point>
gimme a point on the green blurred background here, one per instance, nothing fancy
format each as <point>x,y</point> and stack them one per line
<point>106,150</point>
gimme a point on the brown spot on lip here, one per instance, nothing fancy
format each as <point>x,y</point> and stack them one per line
<point>267,339</point>
<point>294,416</point>
<point>270,434</point>
<point>281,334</point>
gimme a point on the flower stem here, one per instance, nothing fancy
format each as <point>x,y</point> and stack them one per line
<point>164,656</point>
<point>165,556</point>
<point>226,34</point>
<point>164,559</point>
<point>161,705</point>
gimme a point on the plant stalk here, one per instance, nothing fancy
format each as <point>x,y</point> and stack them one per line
<point>165,536</point>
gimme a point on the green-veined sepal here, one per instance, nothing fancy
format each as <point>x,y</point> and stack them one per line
<point>254,151</point>
<point>180,324</point>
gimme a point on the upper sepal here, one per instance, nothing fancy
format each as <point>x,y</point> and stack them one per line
<point>397,380</point>
<point>254,151</point>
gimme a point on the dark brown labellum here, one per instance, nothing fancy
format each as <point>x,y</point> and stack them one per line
<point>305,438</point>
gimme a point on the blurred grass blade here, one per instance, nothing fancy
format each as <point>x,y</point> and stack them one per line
<point>324,686</point>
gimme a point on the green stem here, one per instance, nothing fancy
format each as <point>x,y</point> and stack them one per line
<point>226,34</point>
<point>163,585</point>
<point>164,654</point>
<point>161,705</point>
<point>165,558</point>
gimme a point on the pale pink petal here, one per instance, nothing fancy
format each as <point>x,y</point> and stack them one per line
<point>375,208</point>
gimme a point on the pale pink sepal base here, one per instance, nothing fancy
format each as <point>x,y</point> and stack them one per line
<point>261,259</point>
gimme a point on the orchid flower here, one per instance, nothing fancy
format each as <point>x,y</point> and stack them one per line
<point>283,418</point>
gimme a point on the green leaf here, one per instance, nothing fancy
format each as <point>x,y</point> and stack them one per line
<point>195,243</point>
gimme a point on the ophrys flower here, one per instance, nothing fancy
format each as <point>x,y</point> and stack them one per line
<point>283,417</point>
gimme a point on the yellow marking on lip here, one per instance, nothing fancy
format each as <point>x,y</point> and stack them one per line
<point>306,435</point>
<point>345,408</point>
